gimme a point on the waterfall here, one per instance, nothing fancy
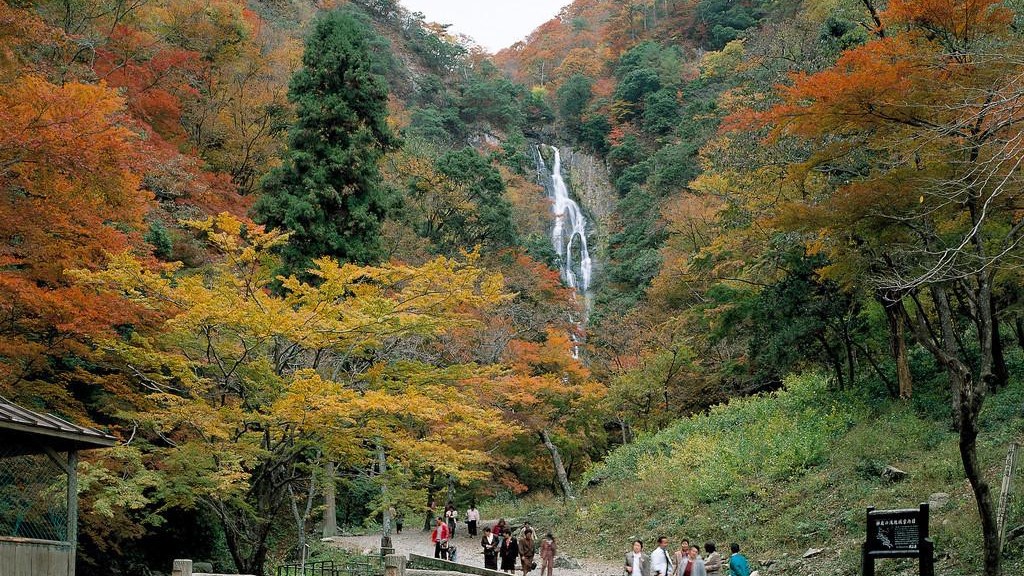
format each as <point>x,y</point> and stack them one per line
<point>569,236</point>
<point>570,227</point>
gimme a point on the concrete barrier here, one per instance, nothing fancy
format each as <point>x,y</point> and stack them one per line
<point>183,567</point>
<point>429,563</point>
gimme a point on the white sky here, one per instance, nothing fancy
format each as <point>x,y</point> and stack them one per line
<point>494,24</point>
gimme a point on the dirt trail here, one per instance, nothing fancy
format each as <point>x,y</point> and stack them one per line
<point>417,541</point>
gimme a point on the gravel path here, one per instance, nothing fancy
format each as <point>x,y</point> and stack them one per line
<point>469,552</point>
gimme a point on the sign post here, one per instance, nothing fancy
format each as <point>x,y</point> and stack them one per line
<point>898,534</point>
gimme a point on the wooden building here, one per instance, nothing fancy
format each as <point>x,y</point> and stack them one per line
<point>39,490</point>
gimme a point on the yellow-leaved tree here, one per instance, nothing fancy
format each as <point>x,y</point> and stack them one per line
<point>250,390</point>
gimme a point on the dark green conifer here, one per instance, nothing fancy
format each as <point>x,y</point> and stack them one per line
<point>328,192</point>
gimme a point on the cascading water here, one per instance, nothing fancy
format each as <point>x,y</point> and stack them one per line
<point>569,236</point>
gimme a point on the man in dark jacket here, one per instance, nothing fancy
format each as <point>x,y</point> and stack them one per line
<point>509,552</point>
<point>490,543</point>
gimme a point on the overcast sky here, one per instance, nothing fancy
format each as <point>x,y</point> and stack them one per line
<point>494,24</point>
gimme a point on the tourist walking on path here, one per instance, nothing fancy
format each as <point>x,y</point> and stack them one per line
<point>695,564</point>
<point>527,549</point>
<point>490,543</point>
<point>472,517</point>
<point>428,522</point>
<point>681,557</point>
<point>439,536</point>
<point>451,516</point>
<point>638,563</point>
<point>509,552</point>
<point>399,521</point>
<point>713,562</point>
<point>548,549</point>
<point>661,563</point>
<point>738,565</point>
<point>525,527</point>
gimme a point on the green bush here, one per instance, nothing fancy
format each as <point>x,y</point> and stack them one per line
<point>160,239</point>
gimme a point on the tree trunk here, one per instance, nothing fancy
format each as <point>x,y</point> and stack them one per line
<point>833,358</point>
<point>330,502</point>
<point>1000,372</point>
<point>556,460</point>
<point>969,394</point>
<point>1018,329</point>
<point>624,428</point>
<point>983,495</point>
<point>428,522</point>
<point>851,355</point>
<point>301,515</point>
<point>889,385</point>
<point>382,464</point>
<point>249,550</point>
<point>895,313</point>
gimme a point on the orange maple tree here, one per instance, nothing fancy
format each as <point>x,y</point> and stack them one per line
<point>71,194</point>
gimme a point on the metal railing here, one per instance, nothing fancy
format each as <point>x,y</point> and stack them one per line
<point>352,567</point>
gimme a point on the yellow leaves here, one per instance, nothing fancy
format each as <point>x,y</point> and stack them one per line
<point>724,61</point>
<point>237,368</point>
<point>359,305</point>
<point>244,241</point>
<point>310,396</point>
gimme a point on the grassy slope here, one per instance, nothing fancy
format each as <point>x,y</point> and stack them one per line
<point>786,472</point>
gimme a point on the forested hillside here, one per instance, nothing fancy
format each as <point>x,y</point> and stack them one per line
<point>276,248</point>
<point>286,250</point>
<point>821,185</point>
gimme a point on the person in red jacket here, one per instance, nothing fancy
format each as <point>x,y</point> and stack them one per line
<point>439,536</point>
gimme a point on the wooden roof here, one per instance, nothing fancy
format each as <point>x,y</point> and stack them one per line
<point>17,423</point>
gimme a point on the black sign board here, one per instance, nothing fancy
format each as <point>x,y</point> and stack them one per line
<point>898,534</point>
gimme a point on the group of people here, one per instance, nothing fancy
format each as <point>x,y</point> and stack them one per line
<point>502,550</point>
<point>499,543</point>
<point>686,561</point>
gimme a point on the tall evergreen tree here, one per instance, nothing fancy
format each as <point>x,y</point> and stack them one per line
<point>328,192</point>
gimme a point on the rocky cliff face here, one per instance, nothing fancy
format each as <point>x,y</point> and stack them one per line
<point>588,180</point>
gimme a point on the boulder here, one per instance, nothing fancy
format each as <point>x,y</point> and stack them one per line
<point>204,567</point>
<point>812,552</point>
<point>893,474</point>
<point>938,500</point>
<point>567,562</point>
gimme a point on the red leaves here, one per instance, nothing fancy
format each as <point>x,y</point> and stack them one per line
<point>961,20</point>
<point>71,195</point>
<point>153,76</point>
<point>884,82</point>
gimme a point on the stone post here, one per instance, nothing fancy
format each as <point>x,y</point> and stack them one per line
<point>386,547</point>
<point>182,568</point>
<point>394,565</point>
